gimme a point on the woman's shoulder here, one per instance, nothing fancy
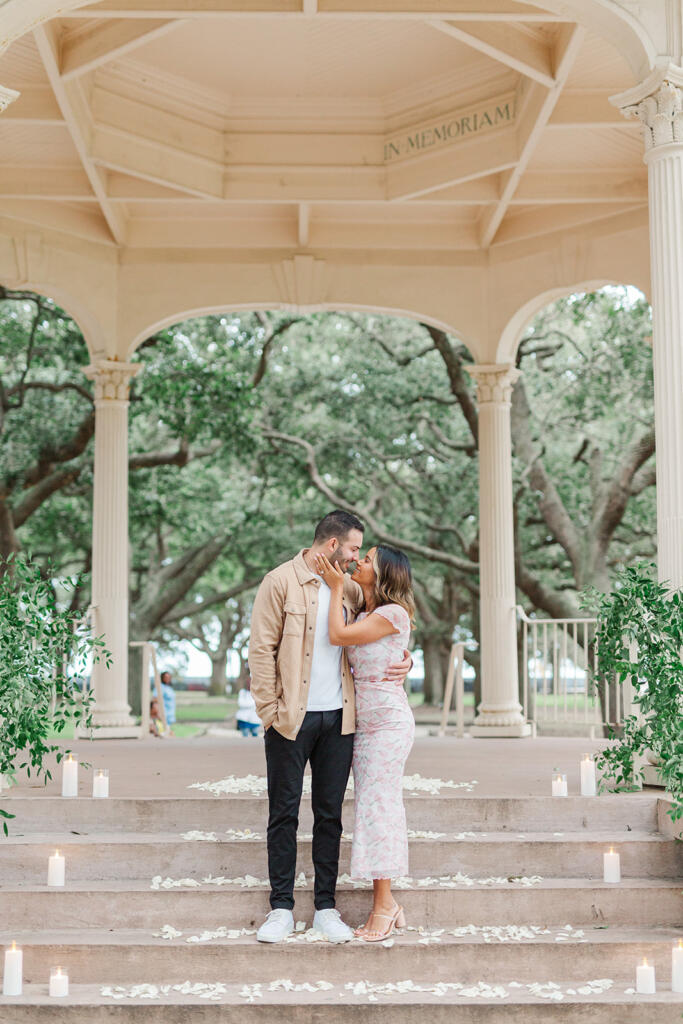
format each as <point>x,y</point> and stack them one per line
<point>396,614</point>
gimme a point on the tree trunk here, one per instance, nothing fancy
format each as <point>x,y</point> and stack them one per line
<point>434,668</point>
<point>218,674</point>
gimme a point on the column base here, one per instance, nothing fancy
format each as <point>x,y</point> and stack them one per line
<point>110,732</point>
<point>519,729</point>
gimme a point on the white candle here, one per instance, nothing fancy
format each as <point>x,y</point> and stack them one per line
<point>56,869</point>
<point>12,978</point>
<point>69,777</point>
<point>559,785</point>
<point>645,978</point>
<point>677,967</point>
<point>100,784</point>
<point>588,783</point>
<point>59,983</point>
<point>611,866</point>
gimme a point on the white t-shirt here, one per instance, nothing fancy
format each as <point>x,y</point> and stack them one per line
<point>325,686</point>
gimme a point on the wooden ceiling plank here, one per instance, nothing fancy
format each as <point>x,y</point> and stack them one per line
<point>75,113</point>
<point>465,10</point>
<point>108,41</point>
<point>507,44</point>
<point>539,106</point>
<point>36,105</point>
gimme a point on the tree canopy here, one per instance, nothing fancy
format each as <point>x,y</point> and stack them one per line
<point>246,428</point>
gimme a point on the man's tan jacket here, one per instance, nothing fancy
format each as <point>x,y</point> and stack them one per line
<point>281,646</point>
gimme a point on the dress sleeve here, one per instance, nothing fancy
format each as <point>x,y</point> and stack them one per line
<point>396,615</point>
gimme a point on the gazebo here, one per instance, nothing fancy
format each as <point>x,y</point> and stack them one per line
<point>460,161</point>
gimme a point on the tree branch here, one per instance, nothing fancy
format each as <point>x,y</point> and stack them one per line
<point>431,554</point>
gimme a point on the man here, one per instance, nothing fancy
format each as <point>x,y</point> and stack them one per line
<point>303,690</point>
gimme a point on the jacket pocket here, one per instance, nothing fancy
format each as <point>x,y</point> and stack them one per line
<point>295,619</point>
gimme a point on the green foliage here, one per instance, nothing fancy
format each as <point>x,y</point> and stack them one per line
<point>42,645</point>
<point>648,616</point>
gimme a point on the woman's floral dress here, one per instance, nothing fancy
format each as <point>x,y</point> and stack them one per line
<point>385,729</point>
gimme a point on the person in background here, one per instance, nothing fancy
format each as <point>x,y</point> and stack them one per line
<point>248,721</point>
<point>168,695</point>
<point>156,726</point>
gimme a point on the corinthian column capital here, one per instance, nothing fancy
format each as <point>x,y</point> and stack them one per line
<point>658,104</point>
<point>7,96</point>
<point>112,379</point>
<point>494,382</point>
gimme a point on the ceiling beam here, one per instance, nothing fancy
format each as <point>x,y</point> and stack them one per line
<point>538,106</point>
<point>465,10</point>
<point>106,42</point>
<point>550,188</point>
<point>75,113</point>
<point>508,44</point>
<point>145,158</point>
<point>303,224</point>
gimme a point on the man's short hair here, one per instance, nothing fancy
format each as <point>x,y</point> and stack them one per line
<point>336,524</point>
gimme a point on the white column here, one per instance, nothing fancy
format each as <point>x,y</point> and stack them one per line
<point>499,713</point>
<point>658,104</point>
<point>111,715</point>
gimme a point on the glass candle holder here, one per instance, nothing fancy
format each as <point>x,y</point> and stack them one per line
<point>59,983</point>
<point>100,784</point>
<point>559,783</point>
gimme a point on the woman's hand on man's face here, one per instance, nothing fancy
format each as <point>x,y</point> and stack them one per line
<point>331,574</point>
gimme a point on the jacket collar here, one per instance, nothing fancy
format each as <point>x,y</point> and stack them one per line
<point>303,573</point>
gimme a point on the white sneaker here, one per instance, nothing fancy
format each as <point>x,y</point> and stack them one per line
<point>277,926</point>
<point>330,924</point>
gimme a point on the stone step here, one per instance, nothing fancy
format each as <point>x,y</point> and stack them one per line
<point>445,813</point>
<point>86,1005</point>
<point>144,855</point>
<point>120,957</point>
<point>650,902</point>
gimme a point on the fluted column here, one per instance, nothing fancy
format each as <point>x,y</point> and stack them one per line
<point>499,713</point>
<point>658,104</point>
<point>111,715</point>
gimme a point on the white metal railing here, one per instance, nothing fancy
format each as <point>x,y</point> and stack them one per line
<point>556,684</point>
<point>149,653</point>
<point>454,678</point>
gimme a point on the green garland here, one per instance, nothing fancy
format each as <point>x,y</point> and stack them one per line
<point>642,611</point>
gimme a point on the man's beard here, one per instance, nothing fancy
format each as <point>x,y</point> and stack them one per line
<point>343,563</point>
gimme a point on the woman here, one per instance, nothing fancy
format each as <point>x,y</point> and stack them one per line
<point>385,726</point>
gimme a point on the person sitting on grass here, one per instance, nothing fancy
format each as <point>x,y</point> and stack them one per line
<point>156,725</point>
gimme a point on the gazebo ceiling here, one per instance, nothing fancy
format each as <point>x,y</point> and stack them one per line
<point>173,126</point>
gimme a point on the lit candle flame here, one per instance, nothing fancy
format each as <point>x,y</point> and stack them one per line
<point>680,943</point>
<point>59,971</point>
<point>644,961</point>
<point>14,947</point>
<point>611,849</point>
<point>56,853</point>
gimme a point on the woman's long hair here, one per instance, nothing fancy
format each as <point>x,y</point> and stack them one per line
<point>393,579</point>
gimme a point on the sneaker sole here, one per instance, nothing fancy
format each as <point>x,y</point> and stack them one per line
<point>282,937</point>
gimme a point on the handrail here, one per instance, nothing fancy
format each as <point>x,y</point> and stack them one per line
<point>454,678</point>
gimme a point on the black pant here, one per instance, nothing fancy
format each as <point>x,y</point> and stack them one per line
<point>319,741</point>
